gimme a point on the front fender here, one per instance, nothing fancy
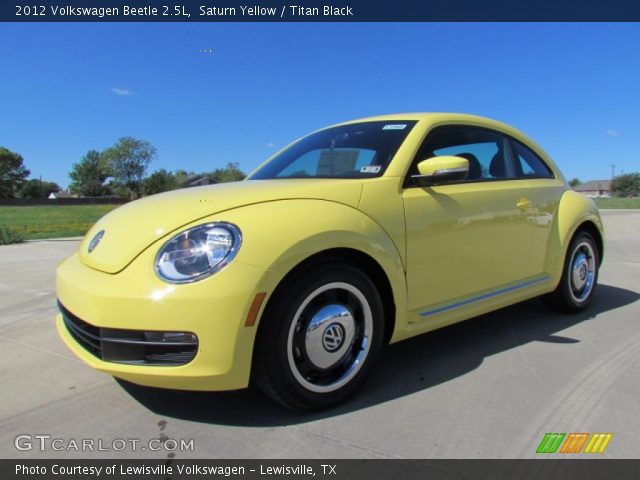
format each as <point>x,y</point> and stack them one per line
<point>279,235</point>
<point>574,210</point>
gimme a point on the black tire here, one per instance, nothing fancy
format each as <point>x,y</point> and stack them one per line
<point>319,336</point>
<point>579,276</point>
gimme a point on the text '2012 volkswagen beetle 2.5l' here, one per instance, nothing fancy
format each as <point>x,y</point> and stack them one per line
<point>355,236</point>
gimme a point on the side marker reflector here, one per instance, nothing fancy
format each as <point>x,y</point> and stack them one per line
<point>255,308</point>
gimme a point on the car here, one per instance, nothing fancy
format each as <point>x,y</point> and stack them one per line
<point>355,236</point>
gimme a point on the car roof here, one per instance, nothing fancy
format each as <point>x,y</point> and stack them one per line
<point>417,116</point>
<point>438,118</point>
<point>441,117</point>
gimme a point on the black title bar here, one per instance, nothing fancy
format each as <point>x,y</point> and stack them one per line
<point>317,10</point>
<point>173,469</point>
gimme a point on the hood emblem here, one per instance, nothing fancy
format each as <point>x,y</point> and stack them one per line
<point>95,241</point>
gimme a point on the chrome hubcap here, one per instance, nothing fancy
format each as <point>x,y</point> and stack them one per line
<point>329,337</point>
<point>582,275</point>
<point>580,270</point>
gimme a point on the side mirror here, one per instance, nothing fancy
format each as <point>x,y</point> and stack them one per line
<point>441,170</point>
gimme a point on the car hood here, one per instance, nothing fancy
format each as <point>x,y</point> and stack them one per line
<point>130,229</point>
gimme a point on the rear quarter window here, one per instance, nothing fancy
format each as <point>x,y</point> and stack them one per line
<point>529,164</point>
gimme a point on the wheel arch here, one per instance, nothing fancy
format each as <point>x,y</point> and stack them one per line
<point>351,256</point>
<point>576,213</point>
<point>591,228</point>
<point>565,298</point>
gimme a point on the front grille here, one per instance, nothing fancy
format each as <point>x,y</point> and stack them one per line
<point>134,347</point>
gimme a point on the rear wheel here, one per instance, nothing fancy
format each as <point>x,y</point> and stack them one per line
<point>319,337</point>
<point>579,276</point>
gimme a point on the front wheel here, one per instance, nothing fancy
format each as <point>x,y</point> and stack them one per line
<point>579,276</point>
<point>319,337</point>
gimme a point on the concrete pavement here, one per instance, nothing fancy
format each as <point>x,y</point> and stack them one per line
<point>487,388</point>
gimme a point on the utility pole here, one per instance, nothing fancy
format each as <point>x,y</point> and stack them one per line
<point>613,171</point>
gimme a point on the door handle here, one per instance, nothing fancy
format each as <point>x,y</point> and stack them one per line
<point>523,204</point>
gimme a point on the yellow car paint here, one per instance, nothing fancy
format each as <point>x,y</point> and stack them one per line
<point>449,252</point>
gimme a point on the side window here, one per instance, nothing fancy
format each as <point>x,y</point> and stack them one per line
<point>488,152</point>
<point>529,164</point>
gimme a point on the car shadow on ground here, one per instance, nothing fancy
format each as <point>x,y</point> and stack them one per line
<point>403,369</point>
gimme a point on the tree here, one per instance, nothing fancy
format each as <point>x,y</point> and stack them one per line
<point>12,173</point>
<point>127,161</point>
<point>230,173</point>
<point>627,185</point>
<point>574,182</point>
<point>158,182</point>
<point>88,175</point>
<point>35,188</point>
<point>181,177</point>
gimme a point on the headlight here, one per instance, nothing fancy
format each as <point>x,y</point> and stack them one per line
<point>198,252</point>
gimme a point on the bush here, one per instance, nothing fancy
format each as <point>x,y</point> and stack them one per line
<point>8,236</point>
<point>627,185</point>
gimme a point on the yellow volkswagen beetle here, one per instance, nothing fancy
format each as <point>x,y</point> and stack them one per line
<point>355,236</point>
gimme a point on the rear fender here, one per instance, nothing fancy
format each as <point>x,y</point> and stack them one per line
<point>574,211</point>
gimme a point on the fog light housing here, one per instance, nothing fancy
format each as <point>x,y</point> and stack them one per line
<point>170,337</point>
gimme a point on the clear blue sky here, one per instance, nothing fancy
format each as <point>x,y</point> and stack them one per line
<point>68,88</point>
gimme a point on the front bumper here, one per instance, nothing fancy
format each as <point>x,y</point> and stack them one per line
<point>213,309</point>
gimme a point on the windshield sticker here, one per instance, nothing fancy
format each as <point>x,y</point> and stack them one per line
<point>370,169</point>
<point>336,162</point>
<point>395,126</point>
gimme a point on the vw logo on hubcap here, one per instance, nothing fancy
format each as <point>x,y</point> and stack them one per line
<point>333,337</point>
<point>95,241</point>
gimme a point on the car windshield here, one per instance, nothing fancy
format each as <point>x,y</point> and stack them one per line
<point>357,150</point>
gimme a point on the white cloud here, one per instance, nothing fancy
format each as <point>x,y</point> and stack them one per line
<point>122,92</point>
<point>269,145</point>
<point>613,133</point>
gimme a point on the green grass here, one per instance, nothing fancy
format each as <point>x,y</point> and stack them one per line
<point>52,221</point>
<point>615,202</point>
